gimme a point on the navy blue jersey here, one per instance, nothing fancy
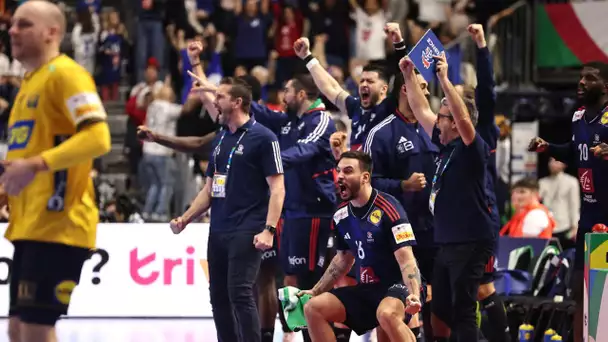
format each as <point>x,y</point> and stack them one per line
<point>305,150</point>
<point>592,171</point>
<point>374,237</point>
<point>363,120</point>
<point>399,148</point>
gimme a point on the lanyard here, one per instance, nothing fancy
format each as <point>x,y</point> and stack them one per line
<point>231,151</point>
<point>440,173</point>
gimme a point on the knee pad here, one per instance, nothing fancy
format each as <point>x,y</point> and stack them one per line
<point>33,315</point>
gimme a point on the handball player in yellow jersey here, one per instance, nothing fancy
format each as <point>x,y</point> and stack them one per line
<point>56,128</point>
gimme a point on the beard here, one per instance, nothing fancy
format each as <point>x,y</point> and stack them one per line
<point>592,96</point>
<point>293,106</point>
<point>349,192</point>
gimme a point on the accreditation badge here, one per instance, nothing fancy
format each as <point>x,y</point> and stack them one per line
<point>432,201</point>
<point>218,188</point>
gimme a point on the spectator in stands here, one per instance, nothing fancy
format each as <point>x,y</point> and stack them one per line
<point>560,192</point>
<point>252,25</point>
<point>84,40</point>
<point>157,162</point>
<point>121,210</point>
<point>532,219</point>
<point>370,43</point>
<point>287,28</point>
<point>150,35</point>
<point>503,168</point>
<point>112,39</point>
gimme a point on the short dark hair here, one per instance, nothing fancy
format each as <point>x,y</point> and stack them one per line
<point>472,109</point>
<point>305,82</point>
<point>526,183</point>
<point>239,89</point>
<point>254,85</point>
<point>377,68</point>
<point>365,160</point>
<point>601,66</point>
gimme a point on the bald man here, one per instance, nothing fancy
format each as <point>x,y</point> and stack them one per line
<point>56,128</point>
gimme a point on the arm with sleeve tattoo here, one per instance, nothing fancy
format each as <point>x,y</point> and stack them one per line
<point>339,267</point>
<point>409,270</point>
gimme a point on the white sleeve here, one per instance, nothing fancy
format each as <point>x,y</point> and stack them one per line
<point>534,223</point>
<point>174,110</point>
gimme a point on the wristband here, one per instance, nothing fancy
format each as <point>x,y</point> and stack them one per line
<point>400,45</point>
<point>271,229</point>
<point>312,63</point>
<point>308,58</point>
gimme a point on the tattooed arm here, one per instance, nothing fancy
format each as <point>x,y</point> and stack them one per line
<point>339,267</point>
<point>409,270</point>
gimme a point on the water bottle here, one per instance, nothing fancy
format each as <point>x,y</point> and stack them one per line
<point>556,337</point>
<point>549,335</point>
<point>526,333</point>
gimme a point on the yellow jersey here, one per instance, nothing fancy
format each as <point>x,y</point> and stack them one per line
<point>57,207</point>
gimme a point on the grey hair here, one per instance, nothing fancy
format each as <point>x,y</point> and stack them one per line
<point>472,109</point>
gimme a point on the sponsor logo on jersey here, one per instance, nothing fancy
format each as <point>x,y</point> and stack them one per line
<point>269,254</point>
<point>604,119</point>
<point>295,261</point>
<point>375,217</point>
<point>367,275</point>
<point>585,177</point>
<point>19,134</point>
<point>403,233</point>
<point>63,291</point>
<point>341,214</point>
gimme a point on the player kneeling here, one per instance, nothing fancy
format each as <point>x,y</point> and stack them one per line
<point>372,228</point>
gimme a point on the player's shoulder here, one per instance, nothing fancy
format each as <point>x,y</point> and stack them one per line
<point>388,207</point>
<point>578,114</point>
<point>341,213</point>
<point>65,67</point>
<point>380,131</point>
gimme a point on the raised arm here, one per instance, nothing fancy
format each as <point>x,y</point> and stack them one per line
<point>459,111</point>
<point>561,152</point>
<point>195,49</point>
<point>415,97</point>
<point>485,96</point>
<point>327,85</point>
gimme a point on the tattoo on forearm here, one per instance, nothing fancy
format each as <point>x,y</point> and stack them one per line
<point>411,277</point>
<point>337,268</point>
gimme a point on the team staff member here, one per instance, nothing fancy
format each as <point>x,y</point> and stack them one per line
<point>372,228</point>
<point>303,132</point>
<point>465,229</point>
<point>245,189</point>
<point>589,135</point>
<point>56,128</point>
<point>485,100</point>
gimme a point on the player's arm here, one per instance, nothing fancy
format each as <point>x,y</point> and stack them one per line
<point>327,85</point>
<point>415,97</point>
<point>273,120</point>
<point>409,269</point>
<point>201,203</point>
<point>183,144</point>
<point>485,96</point>
<point>561,152</point>
<point>459,111</point>
<point>342,262</point>
<point>315,142</point>
<point>273,171</point>
<point>78,101</point>
<point>394,32</point>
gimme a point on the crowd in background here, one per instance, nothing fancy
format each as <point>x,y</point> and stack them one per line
<point>241,37</point>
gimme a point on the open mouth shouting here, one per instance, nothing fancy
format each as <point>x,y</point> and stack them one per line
<point>343,191</point>
<point>366,95</point>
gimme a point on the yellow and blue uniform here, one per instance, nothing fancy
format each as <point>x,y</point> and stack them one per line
<point>54,219</point>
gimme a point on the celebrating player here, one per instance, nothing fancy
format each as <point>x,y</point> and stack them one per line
<point>589,137</point>
<point>56,128</point>
<point>372,228</point>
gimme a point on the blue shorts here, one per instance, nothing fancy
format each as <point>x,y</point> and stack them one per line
<point>302,244</point>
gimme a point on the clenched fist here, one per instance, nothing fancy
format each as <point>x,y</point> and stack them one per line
<point>338,144</point>
<point>441,68</point>
<point>177,225</point>
<point>406,65</point>
<point>600,151</point>
<point>416,182</point>
<point>144,133</point>
<point>392,30</point>
<point>538,145</point>
<point>195,48</point>
<point>302,47</point>
<point>476,32</point>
